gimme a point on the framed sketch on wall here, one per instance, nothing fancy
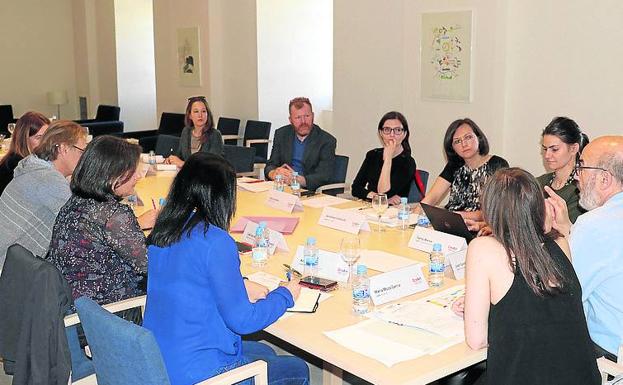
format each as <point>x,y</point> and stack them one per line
<point>445,55</point>
<point>188,57</point>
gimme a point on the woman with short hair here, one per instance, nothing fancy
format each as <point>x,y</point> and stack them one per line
<point>97,242</point>
<point>197,304</point>
<point>199,135</point>
<point>28,132</point>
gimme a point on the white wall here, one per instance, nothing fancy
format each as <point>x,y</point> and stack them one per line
<point>295,57</point>
<point>136,78</point>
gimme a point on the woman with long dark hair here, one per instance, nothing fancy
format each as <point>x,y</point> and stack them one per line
<point>389,169</point>
<point>199,135</point>
<point>28,132</point>
<point>468,168</point>
<point>562,142</point>
<point>522,297</point>
<point>197,304</point>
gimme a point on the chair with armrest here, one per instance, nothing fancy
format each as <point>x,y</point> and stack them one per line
<point>171,123</point>
<point>417,190</point>
<point>125,353</point>
<point>106,121</point>
<point>610,368</point>
<point>338,185</point>
<point>229,128</point>
<point>256,134</point>
<point>242,158</point>
<point>6,117</point>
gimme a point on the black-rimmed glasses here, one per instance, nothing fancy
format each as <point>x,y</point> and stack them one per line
<point>579,166</point>
<point>395,130</point>
<point>77,148</point>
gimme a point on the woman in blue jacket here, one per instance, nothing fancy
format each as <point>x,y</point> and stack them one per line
<point>197,304</point>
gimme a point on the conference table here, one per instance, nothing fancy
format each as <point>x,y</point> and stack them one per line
<point>305,331</point>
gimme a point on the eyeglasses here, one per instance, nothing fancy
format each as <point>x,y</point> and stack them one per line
<point>579,167</point>
<point>196,98</point>
<point>77,148</point>
<point>395,130</point>
<point>301,117</point>
<point>465,139</point>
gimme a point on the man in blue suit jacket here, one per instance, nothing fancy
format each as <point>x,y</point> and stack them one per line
<point>303,147</point>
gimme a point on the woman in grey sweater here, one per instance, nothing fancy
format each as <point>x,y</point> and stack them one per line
<point>199,135</point>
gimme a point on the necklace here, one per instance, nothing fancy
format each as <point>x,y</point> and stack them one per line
<point>570,180</point>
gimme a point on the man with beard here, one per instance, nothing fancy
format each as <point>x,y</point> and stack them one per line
<point>597,240</point>
<point>303,147</point>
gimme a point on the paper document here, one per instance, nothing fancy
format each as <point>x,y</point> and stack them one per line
<point>284,225</point>
<point>256,186</point>
<point>389,217</point>
<point>323,201</point>
<point>382,261</point>
<point>307,302</point>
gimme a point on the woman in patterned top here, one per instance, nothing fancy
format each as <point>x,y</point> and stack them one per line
<point>562,143</point>
<point>468,168</point>
<point>97,242</point>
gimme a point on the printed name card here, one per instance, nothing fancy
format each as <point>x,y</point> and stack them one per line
<point>456,261</point>
<point>330,265</point>
<point>283,201</point>
<point>396,284</point>
<point>343,220</point>
<point>275,238</point>
<point>423,239</point>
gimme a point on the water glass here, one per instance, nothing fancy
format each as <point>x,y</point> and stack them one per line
<point>11,127</point>
<point>350,250</point>
<point>380,204</point>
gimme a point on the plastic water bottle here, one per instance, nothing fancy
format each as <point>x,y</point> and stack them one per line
<point>295,185</point>
<point>423,222</point>
<point>152,158</point>
<point>259,253</point>
<point>403,214</point>
<point>436,266</point>
<point>279,182</point>
<point>310,257</point>
<point>361,291</point>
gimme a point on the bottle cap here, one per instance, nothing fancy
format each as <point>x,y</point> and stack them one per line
<point>362,269</point>
<point>162,202</point>
<point>403,200</point>
<point>262,224</point>
<point>423,221</point>
<point>295,173</point>
<point>437,247</point>
<point>311,241</point>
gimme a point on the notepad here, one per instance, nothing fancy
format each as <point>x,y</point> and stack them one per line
<point>307,302</point>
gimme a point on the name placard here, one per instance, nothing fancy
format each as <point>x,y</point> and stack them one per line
<point>276,240</point>
<point>283,201</point>
<point>330,265</point>
<point>396,284</point>
<point>423,239</point>
<point>343,220</point>
<point>456,261</point>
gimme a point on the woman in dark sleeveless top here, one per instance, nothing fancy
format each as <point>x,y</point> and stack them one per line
<point>523,298</point>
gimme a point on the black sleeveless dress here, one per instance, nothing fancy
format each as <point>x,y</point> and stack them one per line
<point>541,340</point>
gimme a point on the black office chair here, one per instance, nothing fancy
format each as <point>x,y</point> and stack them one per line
<point>417,190</point>
<point>6,117</point>
<point>171,123</point>
<point>241,158</point>
<point>338,184</point>
<point>256,134</point>
<point>229,128</point>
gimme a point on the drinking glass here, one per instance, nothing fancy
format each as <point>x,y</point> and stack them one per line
<point>379,204</point>
<point>350,251</point>
<point>11,127</point>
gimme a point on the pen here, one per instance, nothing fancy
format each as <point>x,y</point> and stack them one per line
<point>291,270</point>
<point>153,203</point>
<point>289,275</point>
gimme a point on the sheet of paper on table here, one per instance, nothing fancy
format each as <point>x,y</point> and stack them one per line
<point>383,261</point>
<point>386,337</point>
<point>256,187</point>
<point>389,217</point>
<point>323,201</point>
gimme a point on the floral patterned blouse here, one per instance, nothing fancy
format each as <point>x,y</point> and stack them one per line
<point>99,248</point>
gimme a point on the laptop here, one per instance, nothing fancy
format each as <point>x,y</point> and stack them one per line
<point>447,221</point>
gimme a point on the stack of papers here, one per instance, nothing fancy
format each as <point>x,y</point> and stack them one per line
<point>404,331</point>
<point>254,185</point>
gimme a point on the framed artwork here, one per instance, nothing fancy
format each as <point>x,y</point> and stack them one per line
<point>188,57</point>
<point>445,56</point>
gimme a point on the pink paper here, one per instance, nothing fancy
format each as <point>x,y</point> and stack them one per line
<point>285,225</point>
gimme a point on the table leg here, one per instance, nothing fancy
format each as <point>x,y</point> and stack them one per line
<point>331,375</point>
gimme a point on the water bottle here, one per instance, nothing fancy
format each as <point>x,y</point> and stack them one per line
<point>436,266</point>
<point>361,291</point>
<point>152,158</point>
<point>403,214</point>
<point>310,257</point>
<point>259,253</point>
<point>423,222</point>
<point>295,185</point>
<point>279,182</point>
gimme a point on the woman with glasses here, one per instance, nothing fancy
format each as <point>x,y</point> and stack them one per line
<point>197,303</point>
<point>97,242</point>
<point>199,135</point>
<point>562,142</point>
<point>27,134</point>
<point>389,169</point>
<point>469,166</point>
